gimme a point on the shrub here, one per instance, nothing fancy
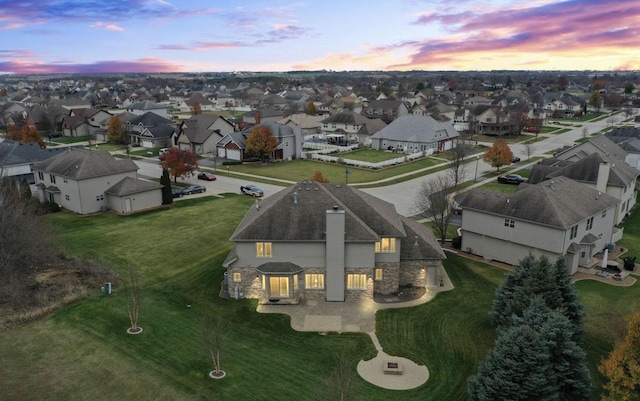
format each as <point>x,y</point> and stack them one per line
<point>457,242</point>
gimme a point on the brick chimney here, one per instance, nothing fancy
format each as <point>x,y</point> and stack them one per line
<point>257,117</point>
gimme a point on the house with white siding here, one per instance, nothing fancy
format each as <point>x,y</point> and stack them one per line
<point>410,134</point>
<point>554,218</point>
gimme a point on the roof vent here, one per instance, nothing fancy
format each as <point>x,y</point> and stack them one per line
<point>335,207</point>
<point>416,241</point>
<point>507,200</point>
<point>295,198</point>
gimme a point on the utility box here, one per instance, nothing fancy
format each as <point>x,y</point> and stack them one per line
<point>106,290</point>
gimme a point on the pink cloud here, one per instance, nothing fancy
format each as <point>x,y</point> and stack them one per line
<point>145,65</point>
<point>106,26</point>
<point>203,46</point>
<point>563,29</point>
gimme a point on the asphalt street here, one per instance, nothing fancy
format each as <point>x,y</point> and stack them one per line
<point>403,194</point>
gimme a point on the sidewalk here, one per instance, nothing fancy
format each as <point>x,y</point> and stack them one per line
<point>360,316</point>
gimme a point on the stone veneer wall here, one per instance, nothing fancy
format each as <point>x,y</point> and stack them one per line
<point>250,285</point>
<point>360,294</point>
<point>390,282</point>
<point>411,272</point>
<point>313,293</point>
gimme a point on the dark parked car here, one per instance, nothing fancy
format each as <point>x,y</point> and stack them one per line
<point>511,179</point>
<point>515,159</point>
<point>176,192</point>
<point>251,190</point>
<point>194,189</point>
<point>206,177</point>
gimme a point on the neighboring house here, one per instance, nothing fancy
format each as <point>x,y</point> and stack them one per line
<point>387,110</point>
<point>628,138</point>
<point>309,125</point>
<point>411,134</point>
<point>84,182</point>
<point>150,130</point>
<point>491,120</point>
<point>261,115</point>
<point>232,145</point>
<point>16,159</point>
<point>314,241</point>
<point>147,106</point>
<point>555,218</point>
<point>599,172</point>
<point>200,133</point>
<point>350,127</point>
<point>83,122</point>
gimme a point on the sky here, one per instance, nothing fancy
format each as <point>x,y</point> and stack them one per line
<point>156,36</point>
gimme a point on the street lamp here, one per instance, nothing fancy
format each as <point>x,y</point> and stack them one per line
<point>477,161</point>
<point>346,176</point>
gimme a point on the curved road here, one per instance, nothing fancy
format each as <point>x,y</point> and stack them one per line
<point>403,194</point>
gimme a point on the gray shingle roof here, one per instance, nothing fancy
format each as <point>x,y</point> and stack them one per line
<point>15,153</point>
<point>130,186</point>
<point>416,129</point>
<point>560,202</point>
<point>298,213</point>
<point>80,164</point>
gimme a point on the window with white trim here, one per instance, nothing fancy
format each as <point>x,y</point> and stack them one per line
<point>574,232</point>
<point>378,274</point>
<point>314,281</point>
<point>386,245</point>
<point>589,223</point>
<point>356,281</point>
<point>237,277</point>
<point>509,223</point>
<point>263,250</point>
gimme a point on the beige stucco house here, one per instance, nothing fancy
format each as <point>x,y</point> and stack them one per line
<point>555,218</point>
<point>84,182</point>
<point>328,242</point>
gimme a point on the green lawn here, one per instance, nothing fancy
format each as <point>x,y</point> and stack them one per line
<point>69,139</point>
<point>369,155</point>
<point>83,352</point>
<point>298,170</point>
<point>631,237</point>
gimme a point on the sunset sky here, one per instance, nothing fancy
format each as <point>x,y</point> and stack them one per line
<point>87,36</point>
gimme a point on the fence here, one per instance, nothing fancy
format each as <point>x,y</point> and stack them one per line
<point>319,154</point>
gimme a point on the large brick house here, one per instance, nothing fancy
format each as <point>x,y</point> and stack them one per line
<point>328,242</point>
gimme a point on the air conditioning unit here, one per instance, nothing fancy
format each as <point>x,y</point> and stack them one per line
<point>469,250</point>
<point>104,208</point>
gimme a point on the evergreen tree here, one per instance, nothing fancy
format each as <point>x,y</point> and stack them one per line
<point>572,308</point>
<point>517,368</point>
<point>567,359</point>
<point>167,195</point>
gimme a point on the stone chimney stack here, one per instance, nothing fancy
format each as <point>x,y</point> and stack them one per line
<point>603,177</point>
<point>257,118</point>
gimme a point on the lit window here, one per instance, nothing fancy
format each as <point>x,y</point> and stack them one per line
<point>295,282</point>
<point>263,250</point>
<point>237,277</point>
<point>386,245</point>
<point>509,223</point>
<point>378,274</point>
<point>357,281</point>
<point>574,232</point>
<point>314,281</point>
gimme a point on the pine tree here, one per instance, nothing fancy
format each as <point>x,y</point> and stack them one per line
<point>567,359</point>
<point>571,306</point>
<point>167,195</point>
<point>517,368</point>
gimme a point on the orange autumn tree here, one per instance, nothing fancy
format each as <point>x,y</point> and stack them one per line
<point>318,177</point>
<point>498,155</point>
<point>29,134</point>
<point>260,143</point>
<point>622,367</point>
<point>179,163</point>
<point>196,108</point>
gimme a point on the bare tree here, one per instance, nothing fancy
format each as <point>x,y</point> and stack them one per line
<point>86,132</point>
<point>434,202</point>
<point>529,149</point>
<point>584,132</point>
<point>457,167</point>
<point>212,335</point>
<point>26,244</point>
<point>133,301</point>
<point>339,383</point>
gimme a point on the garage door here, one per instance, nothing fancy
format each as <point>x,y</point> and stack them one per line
<point>233,154</point>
